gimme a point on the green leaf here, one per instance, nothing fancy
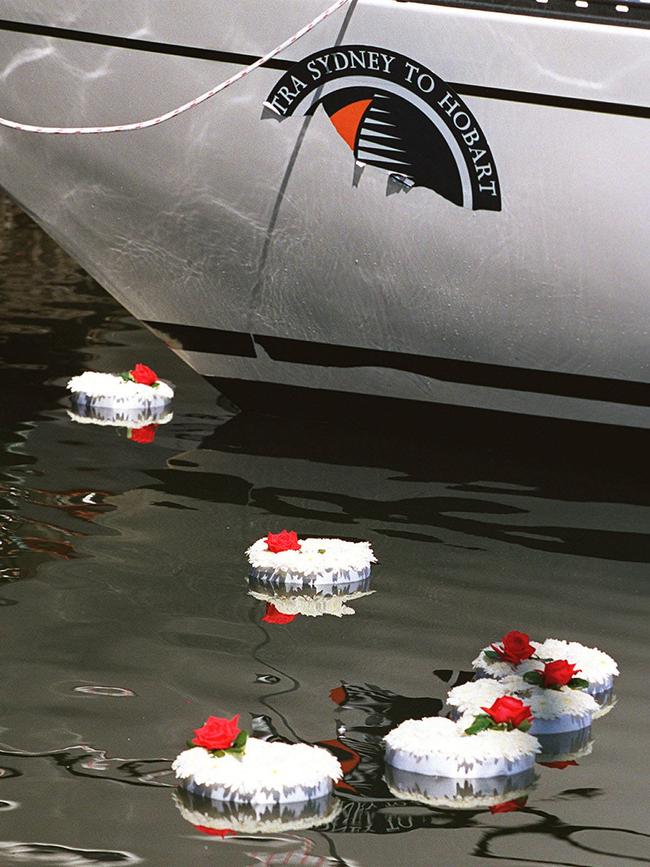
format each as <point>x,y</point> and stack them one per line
<point>480,724</point>
<point>155,384</point>
<point>240,741</point>
<point>534,677</point>
<point>492,655</point>
<point>321,550</point>
<point>525,725</point>
<point>578,683</point>
<point>125,375</point>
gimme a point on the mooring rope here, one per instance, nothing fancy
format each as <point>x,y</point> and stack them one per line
<point>154,121</point>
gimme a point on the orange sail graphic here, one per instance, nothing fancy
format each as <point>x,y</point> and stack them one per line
<point>347,119</point>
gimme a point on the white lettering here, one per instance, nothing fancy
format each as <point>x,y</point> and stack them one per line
<point>460,124</point>
<point>324,61</point>
<point>388,59</point>
<point>425,83</point>
<point>411,70</point>
<point>471,137</point>
<point>490,188</point>
<point>357,60</point>
<point>315,71</point>
<point>340,61</point>
<point>448,103</point>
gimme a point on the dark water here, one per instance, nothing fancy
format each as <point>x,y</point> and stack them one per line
<point>125,617</point>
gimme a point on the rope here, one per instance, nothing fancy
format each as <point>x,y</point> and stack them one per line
<point>154,121</point>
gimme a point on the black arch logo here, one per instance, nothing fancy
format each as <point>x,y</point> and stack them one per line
<point>397,115</point>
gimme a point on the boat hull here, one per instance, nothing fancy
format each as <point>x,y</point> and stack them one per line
<point>263,254</point>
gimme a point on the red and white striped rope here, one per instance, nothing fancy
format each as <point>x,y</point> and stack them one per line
<point>154,121</point>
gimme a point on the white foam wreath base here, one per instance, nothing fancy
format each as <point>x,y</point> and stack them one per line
<point>455,794</point>
<point>267,773</point>
<point>268,794</point>
<point>110,391</point>
<point>319,561</point>
<point>438,747</point>
<point>452,767</point>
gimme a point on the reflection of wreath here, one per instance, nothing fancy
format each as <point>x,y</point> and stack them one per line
<point>133,419</point>
<point>244,819</point>
<point>315,605</point>
<point>454,794</point>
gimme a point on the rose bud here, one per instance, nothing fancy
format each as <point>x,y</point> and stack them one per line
<point>217,733</point>
<point>509,710</point>
<point>143,375</point>
<point>558,673</point>
<point>516,647</point>
<point>284,541</point>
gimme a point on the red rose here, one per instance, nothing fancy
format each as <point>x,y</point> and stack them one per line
<point>287,540</point>
<point>516,647</point>
<point>217,733</point>
<point>146,434</point>
<point>510,806</point>
<point>509,710</point>
<point>558,673</point>
<point>215,832</point>
<point>143,374</point>
<point>272,615</point>
<point>559,765</point>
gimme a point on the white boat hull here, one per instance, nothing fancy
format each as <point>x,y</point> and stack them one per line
<point>246,241</point>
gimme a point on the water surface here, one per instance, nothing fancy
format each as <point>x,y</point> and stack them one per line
<point>126,618</point>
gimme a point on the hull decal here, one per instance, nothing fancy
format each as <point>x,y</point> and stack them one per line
<point>528,97</point>
<point>289,350</point>
<point>396,115</point>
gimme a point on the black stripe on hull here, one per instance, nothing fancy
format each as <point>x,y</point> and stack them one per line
<point>518,96</point>
<point>595,12</point>
<point>139,44</point>
<point>329,355</point>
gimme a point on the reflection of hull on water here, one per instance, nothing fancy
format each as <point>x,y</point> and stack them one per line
<point>245,819</point>
<point>245,241</point>
<point>458,794</point>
